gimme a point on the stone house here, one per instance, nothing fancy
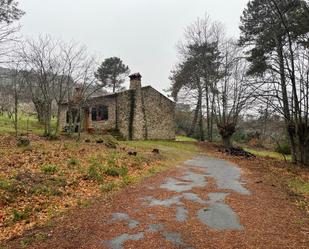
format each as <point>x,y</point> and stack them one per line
<point>140,113</point>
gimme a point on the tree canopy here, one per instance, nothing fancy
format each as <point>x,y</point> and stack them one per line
<point>112,73</point>
<point>9,11</point>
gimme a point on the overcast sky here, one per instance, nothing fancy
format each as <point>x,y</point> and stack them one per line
<point>143,33</point>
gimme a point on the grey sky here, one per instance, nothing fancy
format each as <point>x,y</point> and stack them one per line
<point>143,33</point>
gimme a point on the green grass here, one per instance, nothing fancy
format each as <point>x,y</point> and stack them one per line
<point>174,150</point>
<point>267,153</point>
<point>49,169</point>
<point>185,139</point>
<point>106,187</point>
<point>34,126</point>
<point>299,187</point>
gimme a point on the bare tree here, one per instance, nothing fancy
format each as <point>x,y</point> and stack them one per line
<point>40,62</point>
<point>233,92</point>
<point>200,49</point>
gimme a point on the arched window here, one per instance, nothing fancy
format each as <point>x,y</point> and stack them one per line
<point>99,113</point>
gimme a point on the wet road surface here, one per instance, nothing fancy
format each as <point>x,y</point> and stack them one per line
<point>205,203</point>
<point>183,198</point>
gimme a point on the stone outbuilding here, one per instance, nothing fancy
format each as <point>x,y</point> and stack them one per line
<point>140,113</point>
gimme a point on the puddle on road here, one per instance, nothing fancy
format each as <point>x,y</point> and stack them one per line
<point>227,175</point>
<point>219,215</point>
<point>117,243</point>
<point>153,228</point>
<point>181,214</point>
<point>124,217</point>
<point>151,201</point>
<point>174,238</point>
<point>193,197</point>
<point>190,180</point>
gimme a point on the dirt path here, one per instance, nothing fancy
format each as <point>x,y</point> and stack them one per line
<point>204,203</point>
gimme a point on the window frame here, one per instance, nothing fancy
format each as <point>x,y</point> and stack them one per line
<point>100,112</point>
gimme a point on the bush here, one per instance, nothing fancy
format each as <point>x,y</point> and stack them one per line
<point>73,162</point>
<point>23,142</point>
<point>127,180</point>
<point>123,171</point>
<point>240,137</point>
<point>10,185</point>
<point>21,215</point>
<point>112,171</point>
<point>94,174</point>
<point>49,169</point>
<point>283,148</point>
<point>107,187</point>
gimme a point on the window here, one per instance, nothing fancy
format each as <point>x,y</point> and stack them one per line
<point>99,113</point>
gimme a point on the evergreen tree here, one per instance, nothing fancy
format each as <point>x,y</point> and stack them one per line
<point>112,73</point>
<point>272,31</point>
<point>9,11</point>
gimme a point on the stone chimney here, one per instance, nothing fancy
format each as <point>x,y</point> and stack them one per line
<point>135,81</point>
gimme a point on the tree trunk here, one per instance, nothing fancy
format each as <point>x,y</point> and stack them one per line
<point>290,127</point>
<point>208,115</point>
<point>194,121</point>
<point>201,117</point>
<point>201,125</point>
<point>57,131</point>
<point>16,112</point>
<point>47,119</point>
<point>39,107</point>
<point>227,141</point>
<point>226,132</point>
<point>212,119</point>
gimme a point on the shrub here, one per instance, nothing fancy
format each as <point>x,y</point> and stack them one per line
<point>240,137</point>
<point>23,142</point>
<point>93,173</point>
<point>123,171</point>
<point>73,162</point>
<point>126,180</point>
<point>107,187</point>
<point>112,171</point>
<point>41,189</point>
<point>21,215</point>
<point>9,185</point>
<point>49,169</point>
<point>283,148</point>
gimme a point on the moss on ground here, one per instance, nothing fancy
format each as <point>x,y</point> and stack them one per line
<point>268,153</point>
<point>25,124</point>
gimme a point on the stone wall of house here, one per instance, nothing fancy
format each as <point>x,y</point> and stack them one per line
<point>141,114</point>
<point>159,115</point>
<point>110,102</point>
<point>124,101</point>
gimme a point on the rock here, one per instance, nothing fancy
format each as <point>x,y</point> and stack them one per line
<point>156,151</point>
<point>99,141</point>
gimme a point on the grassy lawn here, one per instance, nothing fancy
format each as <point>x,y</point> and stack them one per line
<point>48,178</point>
<point>25,124</point>
<point>185,139</point>
<point>267,153</point>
